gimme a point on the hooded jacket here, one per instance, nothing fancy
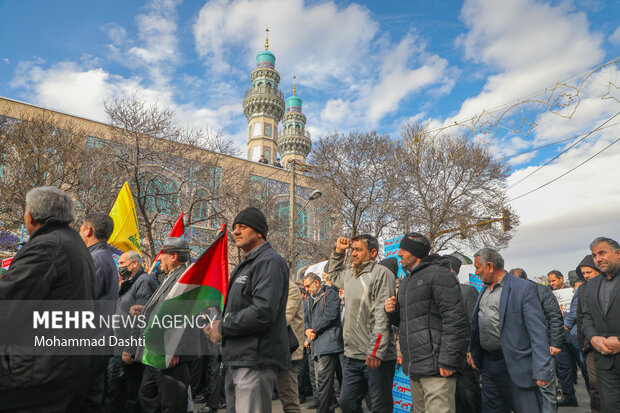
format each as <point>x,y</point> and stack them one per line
<point>431,317</point>
<point>367,330</point>
<point>587,261</point>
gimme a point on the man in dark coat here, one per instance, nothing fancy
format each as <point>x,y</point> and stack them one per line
<point>324,332</point>
<point>601,320</point>
<point>123,375</point>
<point>53,265</point>
<point>95,232</point>
<point>509,341</point>
<point>587,270</point>
<point>468,396</point>
<point>555,333</point>
<point>432,324</point>
<point>166,390</point>
<point>253,331</point>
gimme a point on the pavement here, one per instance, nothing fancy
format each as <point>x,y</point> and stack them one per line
<point>580,389</point>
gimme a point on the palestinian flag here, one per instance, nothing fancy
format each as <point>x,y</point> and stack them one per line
<point>203,285</point>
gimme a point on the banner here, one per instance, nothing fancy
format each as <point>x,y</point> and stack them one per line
<point>401,392</point>
<point>390,249</point>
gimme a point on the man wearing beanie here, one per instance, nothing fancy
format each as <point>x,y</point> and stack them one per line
<point>431,315</point>
<point>253,330</point>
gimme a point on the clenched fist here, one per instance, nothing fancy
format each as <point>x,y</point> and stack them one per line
<point>342,244</point>
<point>390,304</point>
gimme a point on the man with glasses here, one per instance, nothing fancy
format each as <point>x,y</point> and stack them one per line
<point>324,332</point>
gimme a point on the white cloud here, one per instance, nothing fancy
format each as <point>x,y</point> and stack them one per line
<point>335,111</point>
<point>614,38</point>
<point>397,80</point>
<point>328,47</point>
<point>528,45</point>
<point>116,33</point>
<point>6,60</point>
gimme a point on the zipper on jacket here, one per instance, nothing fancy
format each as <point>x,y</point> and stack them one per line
<point>406,329</point>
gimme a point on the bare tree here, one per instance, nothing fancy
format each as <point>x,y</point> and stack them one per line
<point>42,150</point>
<point>362,168</point>
<point>451,182</point>
<point>166,166</point>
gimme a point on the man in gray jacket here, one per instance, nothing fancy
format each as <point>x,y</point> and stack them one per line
<point>369,346</point>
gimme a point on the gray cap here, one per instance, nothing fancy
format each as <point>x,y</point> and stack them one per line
<point>175,244</point>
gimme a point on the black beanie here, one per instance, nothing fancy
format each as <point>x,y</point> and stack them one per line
<point>455,263</point>
<point>253,218</point>
<point>391,264</point>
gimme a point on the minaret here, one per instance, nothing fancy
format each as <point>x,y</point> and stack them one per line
<point>293,140</point>
<point>263,106</point>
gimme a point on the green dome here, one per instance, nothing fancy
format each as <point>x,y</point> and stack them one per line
<point>293,101</point>
<point>265,56</point>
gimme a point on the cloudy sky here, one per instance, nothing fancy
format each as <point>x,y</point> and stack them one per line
<point>516,74</point>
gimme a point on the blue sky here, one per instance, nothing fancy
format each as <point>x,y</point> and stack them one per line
<point>359,66</point>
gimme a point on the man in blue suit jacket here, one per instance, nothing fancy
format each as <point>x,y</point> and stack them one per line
<point>508,338</point>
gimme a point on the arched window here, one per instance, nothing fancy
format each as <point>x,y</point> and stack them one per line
<point>201,209</point>
<point>162,195</point>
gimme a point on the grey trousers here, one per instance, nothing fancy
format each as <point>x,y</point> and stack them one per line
<point>288,391</point>
<point>249,390</point>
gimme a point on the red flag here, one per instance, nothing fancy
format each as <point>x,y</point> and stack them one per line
<point>177,231</point>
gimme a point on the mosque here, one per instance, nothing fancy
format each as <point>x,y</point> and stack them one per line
<point>264,107</point>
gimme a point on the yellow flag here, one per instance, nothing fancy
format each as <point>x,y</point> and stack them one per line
<point>126,235</point>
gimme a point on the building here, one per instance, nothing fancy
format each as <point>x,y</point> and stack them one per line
<point>264,107</point>
<point>204,198</point>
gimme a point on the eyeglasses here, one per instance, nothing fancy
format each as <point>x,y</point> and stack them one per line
<point>307,285</point>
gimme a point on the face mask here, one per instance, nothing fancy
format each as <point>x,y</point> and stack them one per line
<point>124,272</point>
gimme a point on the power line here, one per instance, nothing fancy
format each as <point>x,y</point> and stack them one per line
<point>536,148</point>
<point>567,172</point>
<point>563,152</point>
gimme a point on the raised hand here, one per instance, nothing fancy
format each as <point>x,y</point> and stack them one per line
<point>342,244</point>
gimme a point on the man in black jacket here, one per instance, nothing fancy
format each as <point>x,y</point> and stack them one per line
<point>587,271</point>
<point>432,324</point>
<point>123,375</point>
<point>53,265</point>
<point>253,330</point>
<point>324,332</point>
<point>601,320</point>
<point>468,395</point>
<point>555,334</point>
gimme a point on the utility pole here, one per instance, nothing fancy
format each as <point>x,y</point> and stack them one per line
<point>291,221</point>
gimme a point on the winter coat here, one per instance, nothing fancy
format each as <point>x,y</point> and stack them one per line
<point>431,317</point>
<point>106,274</point>
<point>254,324</point>
<point>324,319</point>
<point>53,265</point>
<point>136,290</point>
<point>367,330</point>
<point>553,315</point>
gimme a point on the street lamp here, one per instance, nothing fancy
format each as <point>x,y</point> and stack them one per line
<point>316,194</point>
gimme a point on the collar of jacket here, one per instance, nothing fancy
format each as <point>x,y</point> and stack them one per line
<point>430,260</point>
<point>362,268</point>
<point>48,227</point>
<point>98,246</point>
<point>256,251</point>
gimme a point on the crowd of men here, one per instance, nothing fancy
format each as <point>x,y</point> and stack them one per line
<point>499,350</point>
